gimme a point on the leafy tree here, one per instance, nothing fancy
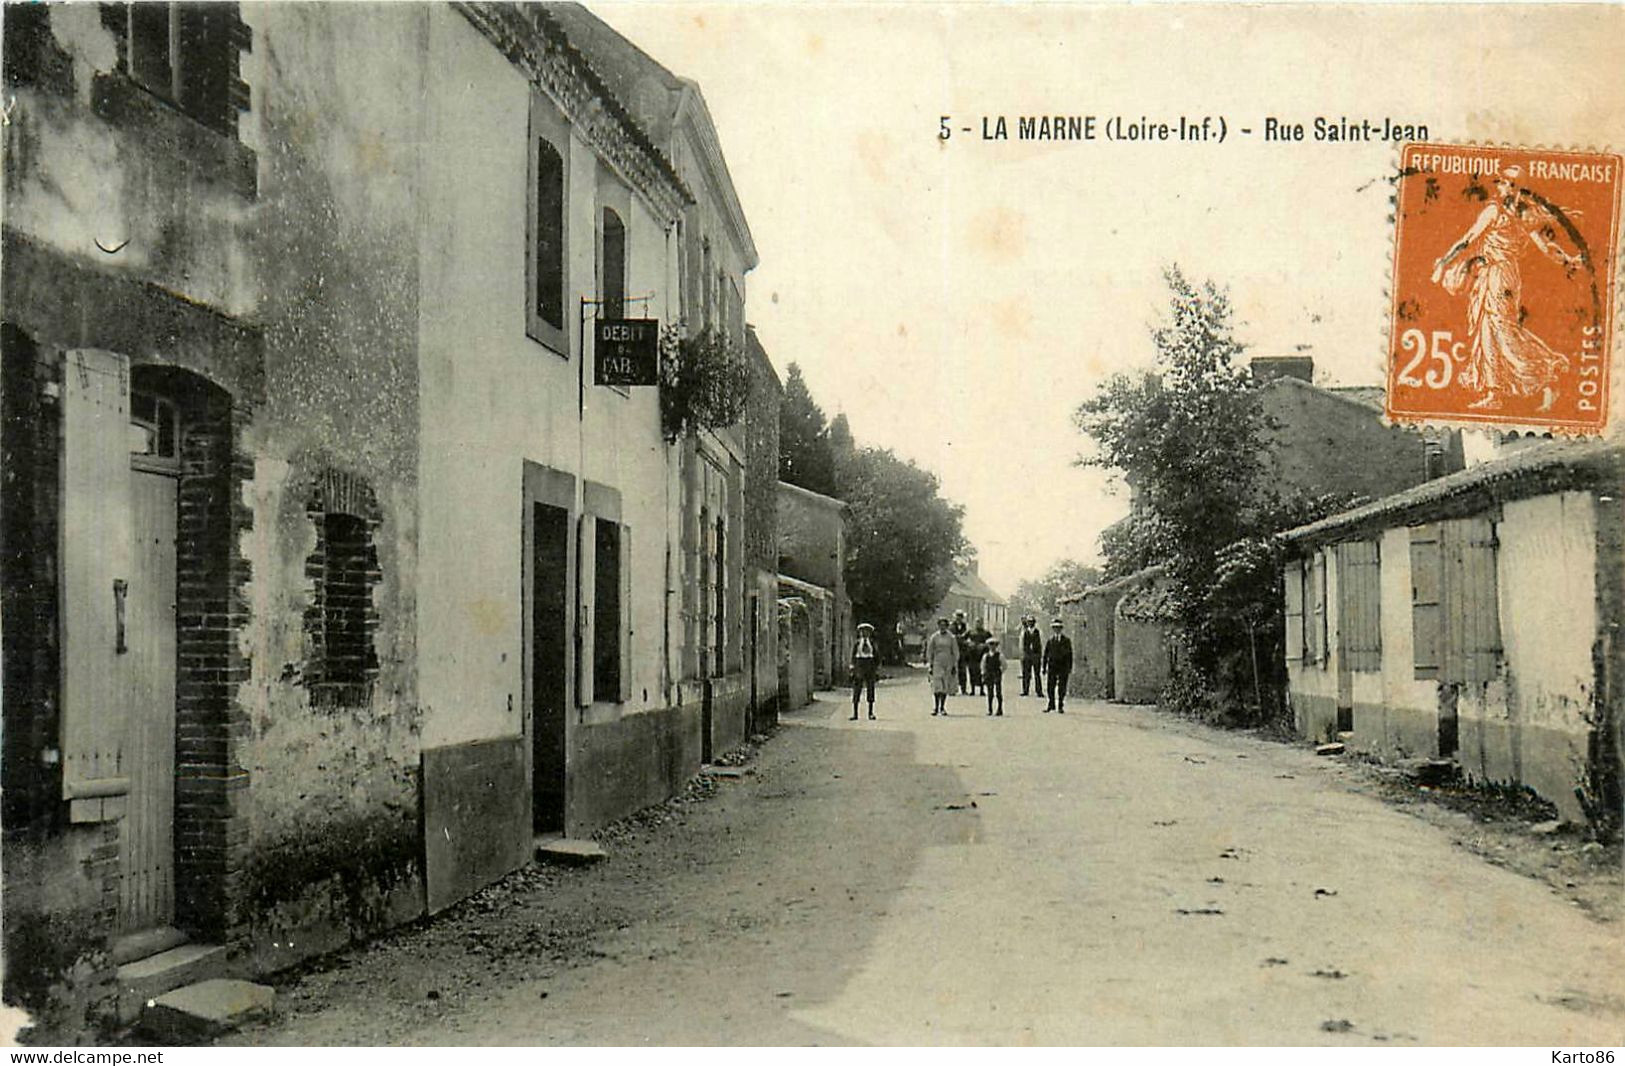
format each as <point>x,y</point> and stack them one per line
<point>904,539</point>
<point>1190,435</point>
<point>804,447</point>
<point>1041,598</point>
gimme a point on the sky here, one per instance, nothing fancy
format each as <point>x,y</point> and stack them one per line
<point>957,299</point>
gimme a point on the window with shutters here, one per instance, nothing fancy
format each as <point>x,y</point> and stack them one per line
<point>547,244</point>
<point>186,54</point>
<point>1292,580</point>
<point>1455,612</point>
<point>1359,617</point>
<point>1315,610</point>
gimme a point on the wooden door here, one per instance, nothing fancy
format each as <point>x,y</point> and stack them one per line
<point>549,656</point>
<point>147,897</point>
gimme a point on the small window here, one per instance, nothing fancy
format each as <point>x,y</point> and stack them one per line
<point>154,428</point>
<point>607,608</point>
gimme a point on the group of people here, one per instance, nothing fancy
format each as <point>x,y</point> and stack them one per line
<point>971,657</point>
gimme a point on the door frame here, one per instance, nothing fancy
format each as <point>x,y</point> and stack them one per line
<point>552,488</point>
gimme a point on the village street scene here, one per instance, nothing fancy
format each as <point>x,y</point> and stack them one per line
<point>599,525</point>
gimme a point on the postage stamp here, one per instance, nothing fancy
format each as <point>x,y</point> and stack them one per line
<point>1503,287</point>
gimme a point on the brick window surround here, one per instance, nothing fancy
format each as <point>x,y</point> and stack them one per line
<point>341,621</point>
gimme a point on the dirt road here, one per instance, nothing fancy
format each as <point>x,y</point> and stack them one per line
<point>1110,877</point>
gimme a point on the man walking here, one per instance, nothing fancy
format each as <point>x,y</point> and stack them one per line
<point>1057,665</point>
<point>1032,655</point>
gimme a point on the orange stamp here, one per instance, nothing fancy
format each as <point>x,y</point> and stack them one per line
<point>1504,263</point>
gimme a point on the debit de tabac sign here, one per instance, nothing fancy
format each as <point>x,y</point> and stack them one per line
<point>626,351</point>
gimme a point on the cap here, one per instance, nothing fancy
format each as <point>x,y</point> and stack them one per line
<point>992,640</point>
<point>865,625</point>
<point>1056,624</point>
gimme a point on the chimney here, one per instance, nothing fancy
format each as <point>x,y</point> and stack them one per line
<point>1270,367</point>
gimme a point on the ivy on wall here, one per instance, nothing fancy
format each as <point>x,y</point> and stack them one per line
<point>705,381</point>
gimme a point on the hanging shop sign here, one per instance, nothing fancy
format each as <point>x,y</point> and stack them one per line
<point>626,351</point>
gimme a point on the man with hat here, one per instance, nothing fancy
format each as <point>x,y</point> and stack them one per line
<point>961,630</point>
<point>1057,665</point>
<point>865,667</point>
<point>1032,656</point>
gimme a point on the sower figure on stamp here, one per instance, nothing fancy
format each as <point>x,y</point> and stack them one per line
<point>1032,656</point>
<point>1505,357</point>
<point>960,630</point>
<point>1057,665</point>
<point>993,676</point>
<point>865,667</point>
<point>942,663</point>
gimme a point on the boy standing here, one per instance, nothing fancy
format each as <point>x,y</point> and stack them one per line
<point>993,676</point>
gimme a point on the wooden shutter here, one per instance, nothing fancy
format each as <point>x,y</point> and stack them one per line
<point>1474,620</point>
<point>1293,577</point>
<point>205,61</point>
<point>1427,580</point>
<point>1315,615</point>
<point>1359,614</point>
<point>586,584</point>
<point>96,564</point>
<point>625,693</point>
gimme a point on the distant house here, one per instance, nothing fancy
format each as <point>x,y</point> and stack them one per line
<point>1473,618</point>
<point>1315,429</point>
<point>812,552</point>
<point>969,593</point>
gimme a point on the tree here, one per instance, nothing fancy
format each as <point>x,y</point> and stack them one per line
<point>1190,436</point>
<point>804,447</point>
<point>904,540</point>
<point>1041,598</point>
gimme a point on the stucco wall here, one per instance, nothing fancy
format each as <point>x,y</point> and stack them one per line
<point>1140,668</point>
<point>338,132</point>
<point>1549,622</point>
<point>1529,724</point>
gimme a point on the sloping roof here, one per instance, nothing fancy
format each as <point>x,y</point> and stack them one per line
<point>649,91</point>
<point>815,497</point>
<point>1370,395</point>
<point>1552,467</point>
<point>1125,582</point>
<point>971,586</point>
<point>657,99</point>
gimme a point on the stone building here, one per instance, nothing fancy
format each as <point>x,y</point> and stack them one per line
<point>726,615</point>
<point>1472,619</point>
<point>331,578</point>
<point>812,552</point>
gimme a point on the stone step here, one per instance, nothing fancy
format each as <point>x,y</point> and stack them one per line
<point>145,979</point>
<point>205,1009</point>
<point>568,851</point>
